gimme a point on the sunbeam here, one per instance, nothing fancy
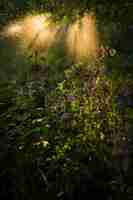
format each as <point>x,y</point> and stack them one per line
<point>36,32</point>
<point>82,38</point>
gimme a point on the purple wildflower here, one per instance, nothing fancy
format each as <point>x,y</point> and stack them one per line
<point>71,98</point>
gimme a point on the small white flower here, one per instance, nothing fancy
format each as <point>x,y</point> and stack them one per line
<point>48,125</point>
<point>42,142</point>
<point>101,136</point>
<point>45,143</point>
<point>20,147</point>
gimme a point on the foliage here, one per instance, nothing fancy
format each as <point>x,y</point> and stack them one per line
<point>54,135</point>
<point>66,128</point>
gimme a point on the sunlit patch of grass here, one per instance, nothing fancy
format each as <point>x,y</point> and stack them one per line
<point>82,38</point>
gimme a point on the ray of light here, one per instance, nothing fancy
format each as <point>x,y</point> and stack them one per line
<point>82,38</point>
<point>36,32</point>
<point>39,32</point>
<point>12,30</point>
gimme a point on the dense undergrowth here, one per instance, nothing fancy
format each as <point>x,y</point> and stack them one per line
<point>66,128</point>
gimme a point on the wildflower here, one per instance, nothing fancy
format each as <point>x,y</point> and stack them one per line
<point>48,126</point>
<point>71,98</point>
